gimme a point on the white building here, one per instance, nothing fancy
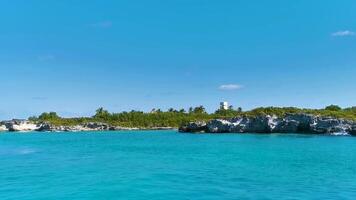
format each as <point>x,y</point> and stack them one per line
<point>224,105</point>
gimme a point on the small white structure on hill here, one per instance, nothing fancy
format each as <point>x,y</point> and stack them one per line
<point>224,105</point>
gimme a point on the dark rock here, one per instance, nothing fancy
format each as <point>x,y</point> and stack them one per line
<point>239,125</point>
<point>286,126</point>
<point>304,121</point>
<point>218,126</point>
<point>45,127</point>
<point>291,123</point>
<point>328,125</point>
<point>352,130</point>
<point>193,127</point>
<point>96,126</point>
<point>260,124</point>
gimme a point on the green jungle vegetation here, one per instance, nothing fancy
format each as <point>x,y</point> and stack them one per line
<point>174,118</point>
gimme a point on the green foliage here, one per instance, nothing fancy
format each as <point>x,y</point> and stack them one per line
<point>239,109</point>
<point>333,108</point>
<point>174,118</point>
<point>273,111</point>
<point>33,118</point>
<point>199,110</point>
<point>182,110</point>
<point>48,116</point>
<point>102,114</point>
<point>229,113</point>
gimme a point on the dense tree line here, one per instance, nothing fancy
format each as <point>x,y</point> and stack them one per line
<point>174,118</point>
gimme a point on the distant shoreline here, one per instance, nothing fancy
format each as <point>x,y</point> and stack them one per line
<point>331,119</point>
<point>28,126</point>
<point>290,123</point>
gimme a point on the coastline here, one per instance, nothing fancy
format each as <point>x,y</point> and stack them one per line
<point>331,120</point>
<point>24,126</point>
<point>266,124</point>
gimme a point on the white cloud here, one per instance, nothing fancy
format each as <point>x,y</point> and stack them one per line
<point>102,24</point>
<point>230,87</point>
<point>343,33</point>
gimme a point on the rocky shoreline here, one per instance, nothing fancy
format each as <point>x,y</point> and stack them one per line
<point>28,126</point>
<point>291,123</point>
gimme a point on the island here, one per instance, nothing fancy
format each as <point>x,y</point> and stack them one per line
<point>332,120</point>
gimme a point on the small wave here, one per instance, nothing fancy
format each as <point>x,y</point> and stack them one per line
<point>17,151</point>
<point>26,151</point>
<point>339,133</point>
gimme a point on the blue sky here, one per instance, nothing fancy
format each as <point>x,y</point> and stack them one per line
<point>73,56</point>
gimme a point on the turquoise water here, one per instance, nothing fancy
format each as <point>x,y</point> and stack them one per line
<point>168,165</point>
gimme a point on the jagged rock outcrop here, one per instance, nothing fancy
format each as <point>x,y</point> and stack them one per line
<point>329,125</point>
<point>3,128</point>
<point>291,123</point>
<point>96,126</point>
<point>193,127</point>
<point>218,126</point>
<point>90,126</point>
<point>44,127</point>
<point>352,130</point>
<point>286,126</point>
<point>20,125</point>
<point>120,128</point>
<point>260,124</point>
<point>304,121</point>
<point>25,125</point>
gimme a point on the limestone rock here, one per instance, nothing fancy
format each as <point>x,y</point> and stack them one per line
<point>20,125</point>
<point>193,127</point>
<point>291,123</point>
<point>3,128</point>
<point>95,126</point>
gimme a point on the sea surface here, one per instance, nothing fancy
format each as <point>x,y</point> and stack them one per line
<point>168,165</point>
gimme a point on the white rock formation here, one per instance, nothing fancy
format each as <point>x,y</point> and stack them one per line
<point>3,128</point>
<point>20,125</point>
<point>291,123</point>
